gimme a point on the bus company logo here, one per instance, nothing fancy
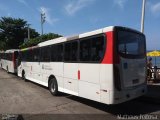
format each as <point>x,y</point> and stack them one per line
<point>137,117</point>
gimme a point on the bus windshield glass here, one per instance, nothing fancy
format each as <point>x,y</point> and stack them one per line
<point>131,44</point>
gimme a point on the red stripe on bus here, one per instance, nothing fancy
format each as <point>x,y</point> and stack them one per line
<point>111,56</point>
<point>78,74</point>
<point>108,57</point>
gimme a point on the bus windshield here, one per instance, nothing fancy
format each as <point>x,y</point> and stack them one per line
<point>131,44</point>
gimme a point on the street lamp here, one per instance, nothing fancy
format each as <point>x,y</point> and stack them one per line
<point>42,21</point>
<point>143,15</point>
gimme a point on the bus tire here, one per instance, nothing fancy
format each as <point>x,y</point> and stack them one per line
<point>53,86</point>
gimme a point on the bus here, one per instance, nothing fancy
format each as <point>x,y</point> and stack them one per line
<point>9,60</point>
<point>107,65</point>
<point>1,54</point>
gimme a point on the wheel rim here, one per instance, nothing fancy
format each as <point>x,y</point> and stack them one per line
<point>53,87</point>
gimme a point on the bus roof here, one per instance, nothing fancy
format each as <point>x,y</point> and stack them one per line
<point>52,41</point>
<point>29,48</point>
<point>87,34</point>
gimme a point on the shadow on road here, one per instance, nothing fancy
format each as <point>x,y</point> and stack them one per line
<point>133,107</point>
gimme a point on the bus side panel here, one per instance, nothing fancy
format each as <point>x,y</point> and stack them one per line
<point>70,78</point>
<point>20,70</point>
<point>45,71</point>
<point>10,66</point>
<point>89,90</point>
<point>57,70</point>
<point>89,72</point>
<point>27,68</point>
<point>106,82</point>
<point>52,68</point>
<point>5,64</point>
<point>89,82</point>
<point>35,70</point>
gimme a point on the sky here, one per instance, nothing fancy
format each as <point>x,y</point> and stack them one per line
<point>70,17</point>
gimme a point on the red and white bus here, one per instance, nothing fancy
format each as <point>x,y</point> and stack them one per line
<point>106,65</point>
<point>1,56</point>
<point>9,60</point>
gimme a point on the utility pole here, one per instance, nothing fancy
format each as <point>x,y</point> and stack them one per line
<point>143,15</point>
<point>42,21</point>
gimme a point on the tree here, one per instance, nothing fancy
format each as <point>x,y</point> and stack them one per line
<point>13,31</point>
<point>42,38</point>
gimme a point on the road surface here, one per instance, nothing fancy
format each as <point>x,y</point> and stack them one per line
<point>30,99</point>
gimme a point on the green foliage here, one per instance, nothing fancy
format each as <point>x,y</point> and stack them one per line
<point>42,38</point>
<point>13,31</point>
<point>2,45</point>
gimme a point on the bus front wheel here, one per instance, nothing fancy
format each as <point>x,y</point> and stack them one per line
<point>53,86</point>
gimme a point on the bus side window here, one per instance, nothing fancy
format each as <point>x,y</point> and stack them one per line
<point>53,53</point>
<point>45,54</point>
<point>67,50</point>
<point>97,48</point>
<point>71,51</point>
<point>74,49</point>
<point>85,50</point>
<point>60,53</point>
<point>92,49</point>
<point>36,54</point>
<point>57,53</point>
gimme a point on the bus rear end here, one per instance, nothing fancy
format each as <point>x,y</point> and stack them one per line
<point>129,66</point>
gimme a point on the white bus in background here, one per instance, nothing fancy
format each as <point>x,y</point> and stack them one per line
<point>1,56</point>
<point>9,60</point>
<point>106,65</point>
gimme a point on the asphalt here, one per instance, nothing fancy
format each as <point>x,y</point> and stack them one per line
<point>35,102</point>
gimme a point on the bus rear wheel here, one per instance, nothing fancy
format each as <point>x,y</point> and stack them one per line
<point>53,87</point>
